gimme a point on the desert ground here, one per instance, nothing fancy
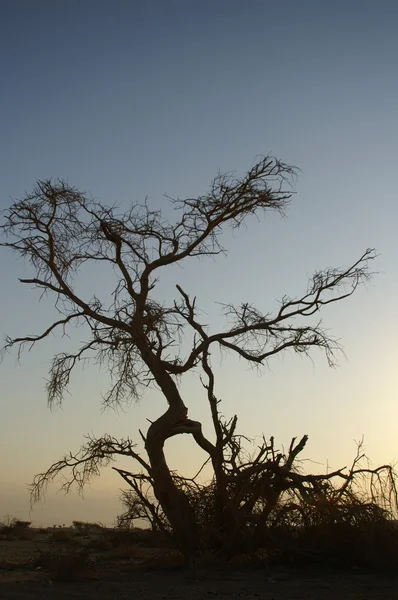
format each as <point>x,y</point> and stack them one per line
<point>65,563</point>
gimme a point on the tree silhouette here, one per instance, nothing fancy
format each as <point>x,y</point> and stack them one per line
<point>139,339</point>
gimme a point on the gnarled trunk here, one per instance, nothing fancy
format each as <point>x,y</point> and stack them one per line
<point>174,502</point>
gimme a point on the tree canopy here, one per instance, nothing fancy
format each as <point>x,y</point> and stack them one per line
<point>60,230</point>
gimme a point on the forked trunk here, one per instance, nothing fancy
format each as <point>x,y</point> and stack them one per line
<point>173,501</point>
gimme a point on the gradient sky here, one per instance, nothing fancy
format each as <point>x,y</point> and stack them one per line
<point>126,99</point>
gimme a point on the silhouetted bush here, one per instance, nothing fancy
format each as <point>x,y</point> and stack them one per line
<point>86,526</point>
<point>272,512</point>
<point>15,528</point>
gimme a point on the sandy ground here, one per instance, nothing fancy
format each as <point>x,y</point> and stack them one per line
<point>132,578</point>
<point>267,586</point>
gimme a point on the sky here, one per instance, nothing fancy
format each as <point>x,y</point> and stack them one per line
<point>127,99</point>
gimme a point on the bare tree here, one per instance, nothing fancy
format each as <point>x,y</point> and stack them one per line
<point>59,230</point>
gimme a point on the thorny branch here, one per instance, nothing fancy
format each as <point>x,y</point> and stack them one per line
<point>86,464</point>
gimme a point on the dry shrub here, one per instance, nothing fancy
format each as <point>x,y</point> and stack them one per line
<point>116,543</point>
<point>147,538</point>
<point>101,543</point>
<point>65,565</point>
<point>22,524</point>
<point>60,535</point>
<point>268,504</point>
<point>123,552</point>
<point>85,527</point>
<point>7,525</point>
<point>115,538</point>
<point>12,527</point>
<point>345,533</point>
<point>165,561</point>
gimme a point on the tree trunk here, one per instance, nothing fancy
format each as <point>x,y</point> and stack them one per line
<point>174,502</point>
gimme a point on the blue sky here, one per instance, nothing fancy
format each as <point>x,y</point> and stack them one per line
<point>126,99</point>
